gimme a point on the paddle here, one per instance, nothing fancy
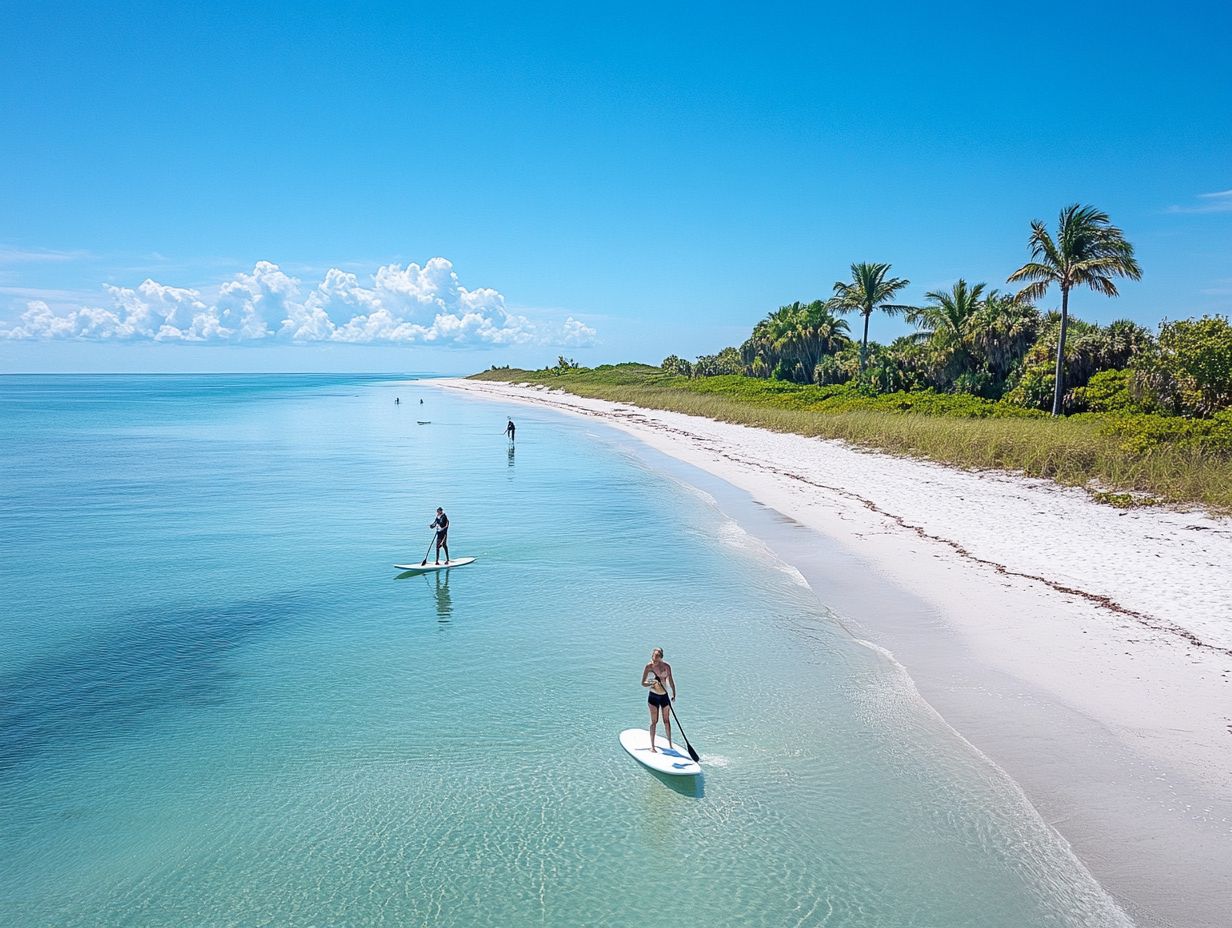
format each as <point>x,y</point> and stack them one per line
<point>692,753</point>
<point>429,551</point>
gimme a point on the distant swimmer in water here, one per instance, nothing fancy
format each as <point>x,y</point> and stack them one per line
<point>441,524</point>
<point>658,676</point>
<point>510,429</point>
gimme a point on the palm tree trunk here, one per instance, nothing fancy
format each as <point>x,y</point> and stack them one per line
<point>1059,388</point>
<point>864,343</point>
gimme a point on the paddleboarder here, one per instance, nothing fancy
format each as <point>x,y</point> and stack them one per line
<point>441,524</point>
<point>510,429</point>
<point>657,675</point>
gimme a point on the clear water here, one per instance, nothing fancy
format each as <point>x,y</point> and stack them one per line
<point>219,705</point>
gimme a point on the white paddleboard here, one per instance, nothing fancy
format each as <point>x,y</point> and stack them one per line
<point>673,760</point>
<point>424,568</point>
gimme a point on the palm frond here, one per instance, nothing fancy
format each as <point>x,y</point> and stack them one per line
<point>1035,291</point>
<point>1100,283</point>
<point>895,309</point>
<point>1043,248</point>
<point>1034,270</point>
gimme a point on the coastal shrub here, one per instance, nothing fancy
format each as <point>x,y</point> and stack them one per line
<point>1089,349</point>
<point>975,383</point>
<point>1033,386</point>
<point>1189,370</point>
<point>1106,391</point>
<point>507,374</point>
<point>563,366</point>
<point>782,394</point>
<point>1124,500</point>
<point>1143,433</point>
<point>943,405</point>
<point>881,372</point>
<point>625,374</point>
<point>674,365</point>
<point>829,370</point>
<point>726,361</point>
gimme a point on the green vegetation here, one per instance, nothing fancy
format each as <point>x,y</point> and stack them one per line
<point>1188,371</point>
<point>1149,417</point>
<point>1146,458</point>
<point>1088,251</point>
<point>868,291</point>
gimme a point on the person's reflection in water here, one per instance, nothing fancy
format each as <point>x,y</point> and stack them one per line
<point>444,602</point>
<point>512,448</point>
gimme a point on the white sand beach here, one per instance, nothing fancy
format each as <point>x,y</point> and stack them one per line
<point>1086,650</point>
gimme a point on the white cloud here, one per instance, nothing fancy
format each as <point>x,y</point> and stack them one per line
<point>1218,202</point>
<point>397,305</point>
<point>575,334</point>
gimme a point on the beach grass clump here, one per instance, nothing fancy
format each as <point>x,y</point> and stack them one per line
<point>1122,460</point>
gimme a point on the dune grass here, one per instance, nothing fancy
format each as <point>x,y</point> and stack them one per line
<point>962,431</point>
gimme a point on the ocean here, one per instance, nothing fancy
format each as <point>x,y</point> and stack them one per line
<point>221,705</point>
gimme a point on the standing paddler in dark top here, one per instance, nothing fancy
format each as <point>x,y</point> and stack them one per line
<point>441,524</point>
<point>510,429</point>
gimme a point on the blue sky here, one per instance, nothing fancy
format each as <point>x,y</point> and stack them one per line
<point>615,184</point>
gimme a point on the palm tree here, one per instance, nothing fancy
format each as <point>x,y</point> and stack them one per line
<point>1088,251</point>
<point>796,334</point>
<point>781,335</point>
<point>1002,330</point>
<point>766,340</point>
<point>817,332</point>
<point>868,290</point>
<point>1123,339</point>
<point>946,321</point>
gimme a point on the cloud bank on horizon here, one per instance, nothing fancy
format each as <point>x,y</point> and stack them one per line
<point>409,305</point>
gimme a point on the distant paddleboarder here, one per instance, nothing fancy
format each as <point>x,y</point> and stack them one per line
<point>657,675</point>
<point>441,524</point>
<point>510,429</point>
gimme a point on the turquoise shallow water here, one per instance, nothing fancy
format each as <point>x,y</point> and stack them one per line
<point>219,705</point>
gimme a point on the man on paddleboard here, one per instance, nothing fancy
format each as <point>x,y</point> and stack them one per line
<point>510,429</point>
<point>441,524</point>
<point>657,675</point>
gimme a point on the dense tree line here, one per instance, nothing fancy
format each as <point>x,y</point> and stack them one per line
<point>982,341</point>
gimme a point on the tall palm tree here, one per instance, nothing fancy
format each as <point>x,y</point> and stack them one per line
<point>1088,251</point>
<point>868,290</point>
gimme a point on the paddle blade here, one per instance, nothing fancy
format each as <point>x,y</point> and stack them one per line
<point>692,753</point>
